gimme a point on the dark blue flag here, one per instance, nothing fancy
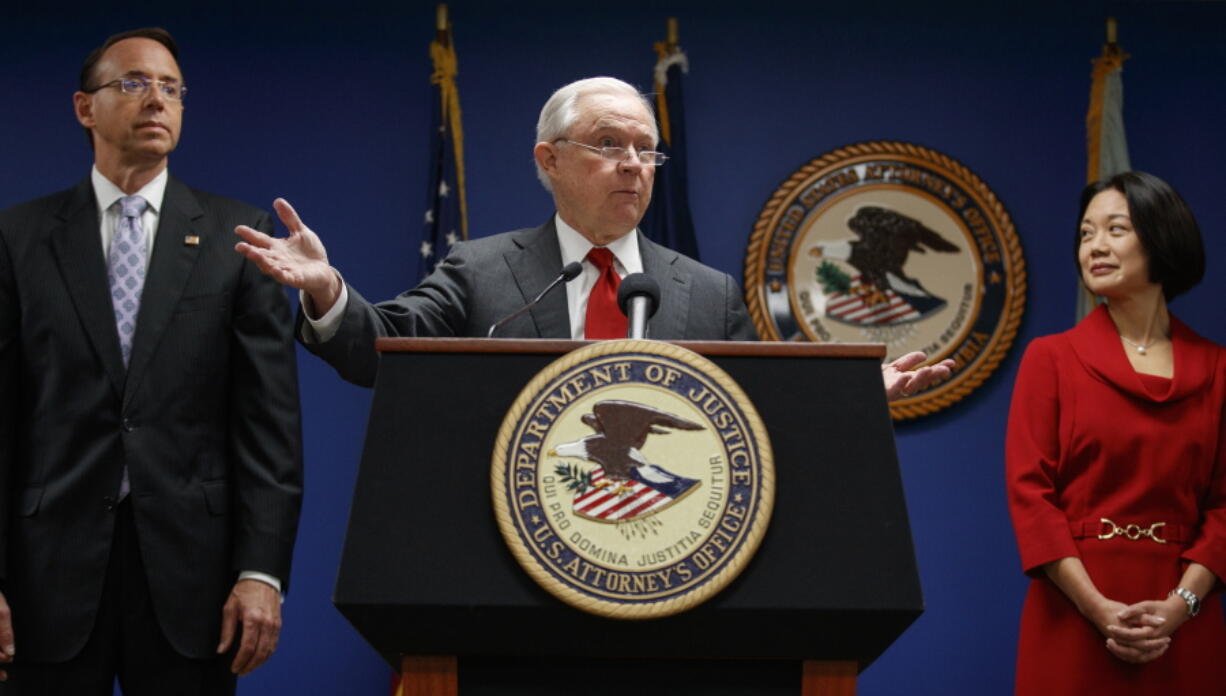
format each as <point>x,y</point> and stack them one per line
<point>668,220</point>
<point>446,218</point>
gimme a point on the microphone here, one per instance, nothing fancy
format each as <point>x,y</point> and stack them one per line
<point>639,298</point>
<point>569,272</point>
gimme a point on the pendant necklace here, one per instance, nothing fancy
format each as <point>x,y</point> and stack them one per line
<point>1141,347</point>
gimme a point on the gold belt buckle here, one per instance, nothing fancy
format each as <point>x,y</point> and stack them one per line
<point>1132,532</point>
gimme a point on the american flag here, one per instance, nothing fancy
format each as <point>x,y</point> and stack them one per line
<point>446,218</point>
<point>866,304</point>
<point>610,500</point>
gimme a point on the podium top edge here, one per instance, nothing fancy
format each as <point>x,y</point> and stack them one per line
<point>556,346</point>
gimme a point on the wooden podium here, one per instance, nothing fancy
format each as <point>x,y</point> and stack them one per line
<point>427,580</point>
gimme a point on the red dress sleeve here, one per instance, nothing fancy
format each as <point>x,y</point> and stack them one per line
<point>1209,546</point>
<point>1032,456</point>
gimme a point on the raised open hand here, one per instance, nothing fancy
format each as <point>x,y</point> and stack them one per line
<point>298,260</point>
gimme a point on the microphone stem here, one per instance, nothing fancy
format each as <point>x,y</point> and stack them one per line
<point>638,307</point>
<point>523,310</point>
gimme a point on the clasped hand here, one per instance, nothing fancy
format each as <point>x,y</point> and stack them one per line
<point>1141,632</point>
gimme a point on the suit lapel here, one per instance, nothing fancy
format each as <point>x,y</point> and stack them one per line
<point>534,265</point>
<point>169,270</point>
<point>78,248</point>
<point>673,315</point>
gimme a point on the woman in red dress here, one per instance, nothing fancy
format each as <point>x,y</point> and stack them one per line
<point>1116,467</point>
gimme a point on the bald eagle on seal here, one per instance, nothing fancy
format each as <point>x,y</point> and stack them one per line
<point>886,239</point>
<point>621,429</point>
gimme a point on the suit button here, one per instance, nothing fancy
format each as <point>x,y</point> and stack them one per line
<point>128,426</point>
<point>109,502</point>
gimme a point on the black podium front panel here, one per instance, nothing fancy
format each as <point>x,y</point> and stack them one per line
<point>425,570</point>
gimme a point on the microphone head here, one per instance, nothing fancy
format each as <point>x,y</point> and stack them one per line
<point>571,271</point>
<point>640,285</point>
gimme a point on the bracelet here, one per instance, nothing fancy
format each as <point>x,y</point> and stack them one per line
<point>1189,598</point>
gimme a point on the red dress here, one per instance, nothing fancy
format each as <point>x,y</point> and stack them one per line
<point>1090,438</point>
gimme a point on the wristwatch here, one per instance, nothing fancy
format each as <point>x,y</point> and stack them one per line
<point>1190,599</point>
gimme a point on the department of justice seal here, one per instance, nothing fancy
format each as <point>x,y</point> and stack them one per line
<point>632,479</point>
<point>893,243</point>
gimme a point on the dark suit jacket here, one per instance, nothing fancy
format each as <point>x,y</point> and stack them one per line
<point>484,280</point>
<point>205,418</point>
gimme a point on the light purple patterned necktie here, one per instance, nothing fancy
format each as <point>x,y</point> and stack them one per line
<point>126,269</point>
<point>125,263</point>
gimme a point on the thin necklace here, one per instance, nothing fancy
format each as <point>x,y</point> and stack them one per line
<point>1141,347</point>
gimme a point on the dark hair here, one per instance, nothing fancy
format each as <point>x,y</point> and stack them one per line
<point>1163,223</point>
<point>87,77</point>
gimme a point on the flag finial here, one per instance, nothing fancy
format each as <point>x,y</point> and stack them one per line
<point>440,22</point>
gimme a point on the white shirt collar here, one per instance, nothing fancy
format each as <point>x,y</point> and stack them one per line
<point>106,192</point>
<point>575,247</point>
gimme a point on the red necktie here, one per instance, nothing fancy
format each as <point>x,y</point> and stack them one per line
<point>604,317</point>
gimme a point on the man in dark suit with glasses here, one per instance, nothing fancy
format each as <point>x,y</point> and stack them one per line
<point>150,446</point>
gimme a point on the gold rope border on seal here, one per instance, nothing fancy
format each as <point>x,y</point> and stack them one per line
<point>667,607</point>
<point>944,394</point>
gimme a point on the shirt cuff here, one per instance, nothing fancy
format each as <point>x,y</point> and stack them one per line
<point>322,330</point>
<point>265,578</point>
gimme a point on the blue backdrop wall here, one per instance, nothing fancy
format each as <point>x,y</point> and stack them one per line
<point>327,105</point>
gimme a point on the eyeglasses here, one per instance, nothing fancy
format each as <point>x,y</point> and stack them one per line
<point>649,158</point>
<point>139,86</point>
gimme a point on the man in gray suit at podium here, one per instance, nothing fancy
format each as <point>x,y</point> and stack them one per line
<point>595,154</point>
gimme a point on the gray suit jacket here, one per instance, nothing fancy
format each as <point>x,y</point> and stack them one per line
<point>484,280</point>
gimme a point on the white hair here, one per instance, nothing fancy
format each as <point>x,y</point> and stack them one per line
<point>562,110</point>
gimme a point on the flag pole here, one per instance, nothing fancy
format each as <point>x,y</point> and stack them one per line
<point>671,46</point>
<point>1106,145</point>
<point>440,25</point>
<point>445,71</point>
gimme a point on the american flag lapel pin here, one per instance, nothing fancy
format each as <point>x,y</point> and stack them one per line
<point>191,240</point>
